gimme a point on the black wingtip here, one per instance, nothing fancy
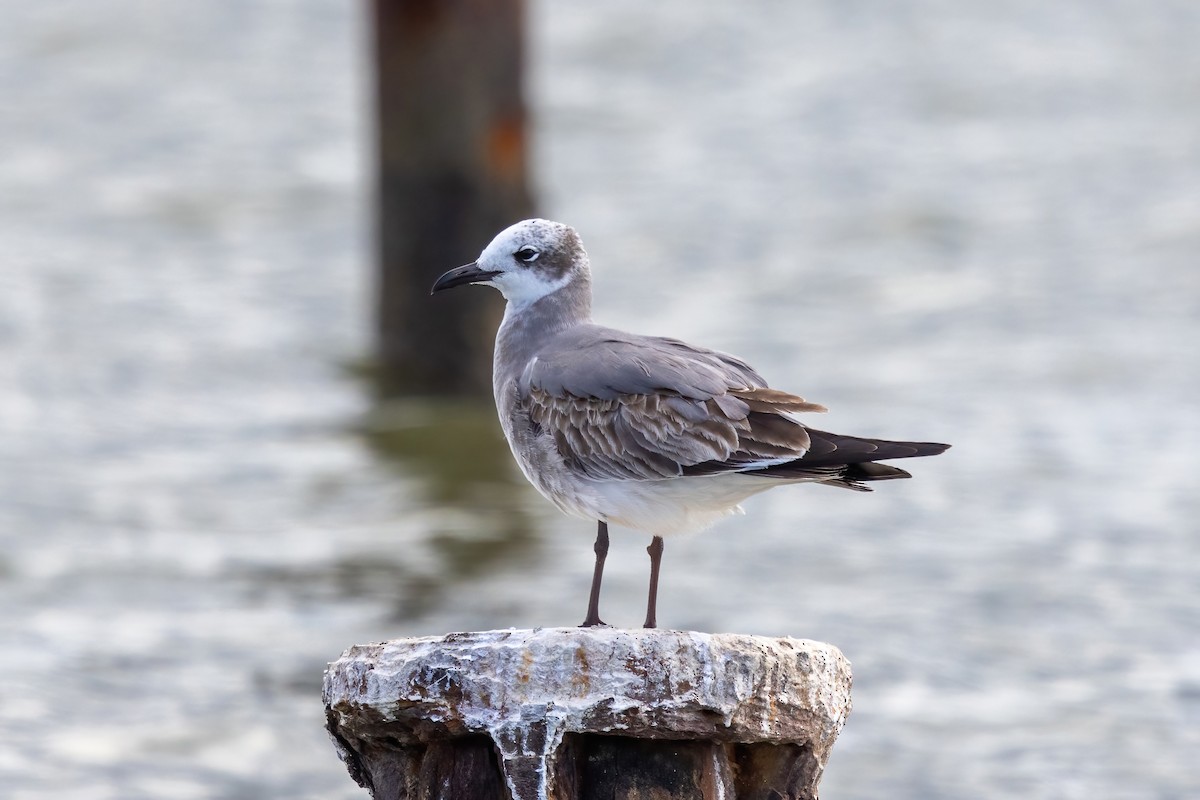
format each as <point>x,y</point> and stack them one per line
<point>874,471</point>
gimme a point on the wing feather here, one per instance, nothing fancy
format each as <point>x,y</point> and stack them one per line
<point>627,407</point>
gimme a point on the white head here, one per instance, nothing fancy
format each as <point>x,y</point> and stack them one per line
<point>526,262</point>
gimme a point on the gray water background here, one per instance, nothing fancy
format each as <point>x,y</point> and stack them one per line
<point>969,222</point>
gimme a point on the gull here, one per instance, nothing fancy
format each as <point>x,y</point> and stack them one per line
<point>644,432</point>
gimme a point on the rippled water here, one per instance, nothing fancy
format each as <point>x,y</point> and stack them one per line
<point>966,222</point>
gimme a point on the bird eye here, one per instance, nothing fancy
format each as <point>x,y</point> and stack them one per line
<point>526,254</point>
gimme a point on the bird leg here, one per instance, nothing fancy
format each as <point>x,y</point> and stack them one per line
<point>601,549</point>
<point>655,550</point>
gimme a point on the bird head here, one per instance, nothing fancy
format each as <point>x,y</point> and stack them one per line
<point>525,262</point>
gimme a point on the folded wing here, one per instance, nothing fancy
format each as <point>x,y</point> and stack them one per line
<point>625,407</point>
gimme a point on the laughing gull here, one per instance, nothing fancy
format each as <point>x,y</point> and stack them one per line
<point>641,431</point>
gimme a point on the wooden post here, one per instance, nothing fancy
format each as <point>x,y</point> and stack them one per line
<point>582,713</point>
<point>451,174</point>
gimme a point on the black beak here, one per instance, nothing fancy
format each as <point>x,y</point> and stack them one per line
<point>460,276</point>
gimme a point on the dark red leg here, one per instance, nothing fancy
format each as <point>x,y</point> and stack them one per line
<point>655,550</point>
<point>601,548</point>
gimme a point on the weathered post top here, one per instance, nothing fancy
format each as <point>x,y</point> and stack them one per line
<point>588,712</point>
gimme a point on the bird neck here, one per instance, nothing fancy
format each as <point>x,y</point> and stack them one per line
<point>525,329</point>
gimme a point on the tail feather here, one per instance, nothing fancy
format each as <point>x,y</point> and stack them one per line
<point>850,461</point>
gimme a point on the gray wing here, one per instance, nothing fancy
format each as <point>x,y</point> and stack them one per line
<point>626,407</point>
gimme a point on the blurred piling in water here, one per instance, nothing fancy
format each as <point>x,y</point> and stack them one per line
<point>450,128</point>
<point>578,713</point>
